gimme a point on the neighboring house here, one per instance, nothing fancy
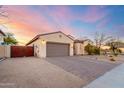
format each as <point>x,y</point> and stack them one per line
<point>79,46</point>
<point>2,35</point>
<point>121,47</point>
<point>71,37</point>
<point>105,47</point>
<point>52,45</point>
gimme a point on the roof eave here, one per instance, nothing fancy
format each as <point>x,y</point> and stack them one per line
<point>2,33</point>
<point>37,37</point>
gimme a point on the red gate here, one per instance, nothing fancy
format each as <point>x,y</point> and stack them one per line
<point>22,51</point>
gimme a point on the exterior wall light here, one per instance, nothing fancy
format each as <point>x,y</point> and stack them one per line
<point>43,41</point>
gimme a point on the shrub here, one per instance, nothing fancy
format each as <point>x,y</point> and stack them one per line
<point>112,59</point>
<point>89,49</point>
<point>96,50</point>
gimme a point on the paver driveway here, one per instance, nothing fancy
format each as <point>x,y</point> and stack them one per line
<point>86,68</point>
<point>76,71</point>
<point>35,72</point>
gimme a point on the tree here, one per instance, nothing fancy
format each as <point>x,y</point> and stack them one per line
<point>9,39</point>
<point>114,46</point>
<point>100,40</point>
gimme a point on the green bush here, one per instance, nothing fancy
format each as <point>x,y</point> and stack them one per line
<point>90,49</point>
<point>96,50</point>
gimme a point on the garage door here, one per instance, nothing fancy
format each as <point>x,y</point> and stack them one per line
<point>57,49</point>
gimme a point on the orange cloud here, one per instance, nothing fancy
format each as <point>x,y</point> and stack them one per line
<point>25,23</point>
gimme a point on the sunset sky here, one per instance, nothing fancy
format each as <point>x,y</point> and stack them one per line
<point>25,22</point>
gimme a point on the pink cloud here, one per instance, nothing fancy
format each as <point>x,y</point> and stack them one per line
<point>93,14</point>
<point>29,17</point>
<point>27,23</point>
<point>63,13</point>
<point>60,16</point>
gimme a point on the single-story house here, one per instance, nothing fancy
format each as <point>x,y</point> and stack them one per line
<point>57,44</point>
<point>52,45</point>
<point>2,35</point>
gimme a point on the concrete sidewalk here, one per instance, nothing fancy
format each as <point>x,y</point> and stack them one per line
<point>112,79</point>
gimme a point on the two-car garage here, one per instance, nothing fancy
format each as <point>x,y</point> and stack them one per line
<point>57,49</point>
<point>52,45</point>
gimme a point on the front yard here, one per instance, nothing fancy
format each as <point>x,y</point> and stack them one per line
<point>76,71</point>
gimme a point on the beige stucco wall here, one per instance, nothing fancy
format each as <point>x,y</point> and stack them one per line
<point>105,47</point>
<point>4,51</point>
<point>41,43</point>
<point>39,48</point>
<point>8,51</point>
<point>80,48</point>
<point>1,38</point>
